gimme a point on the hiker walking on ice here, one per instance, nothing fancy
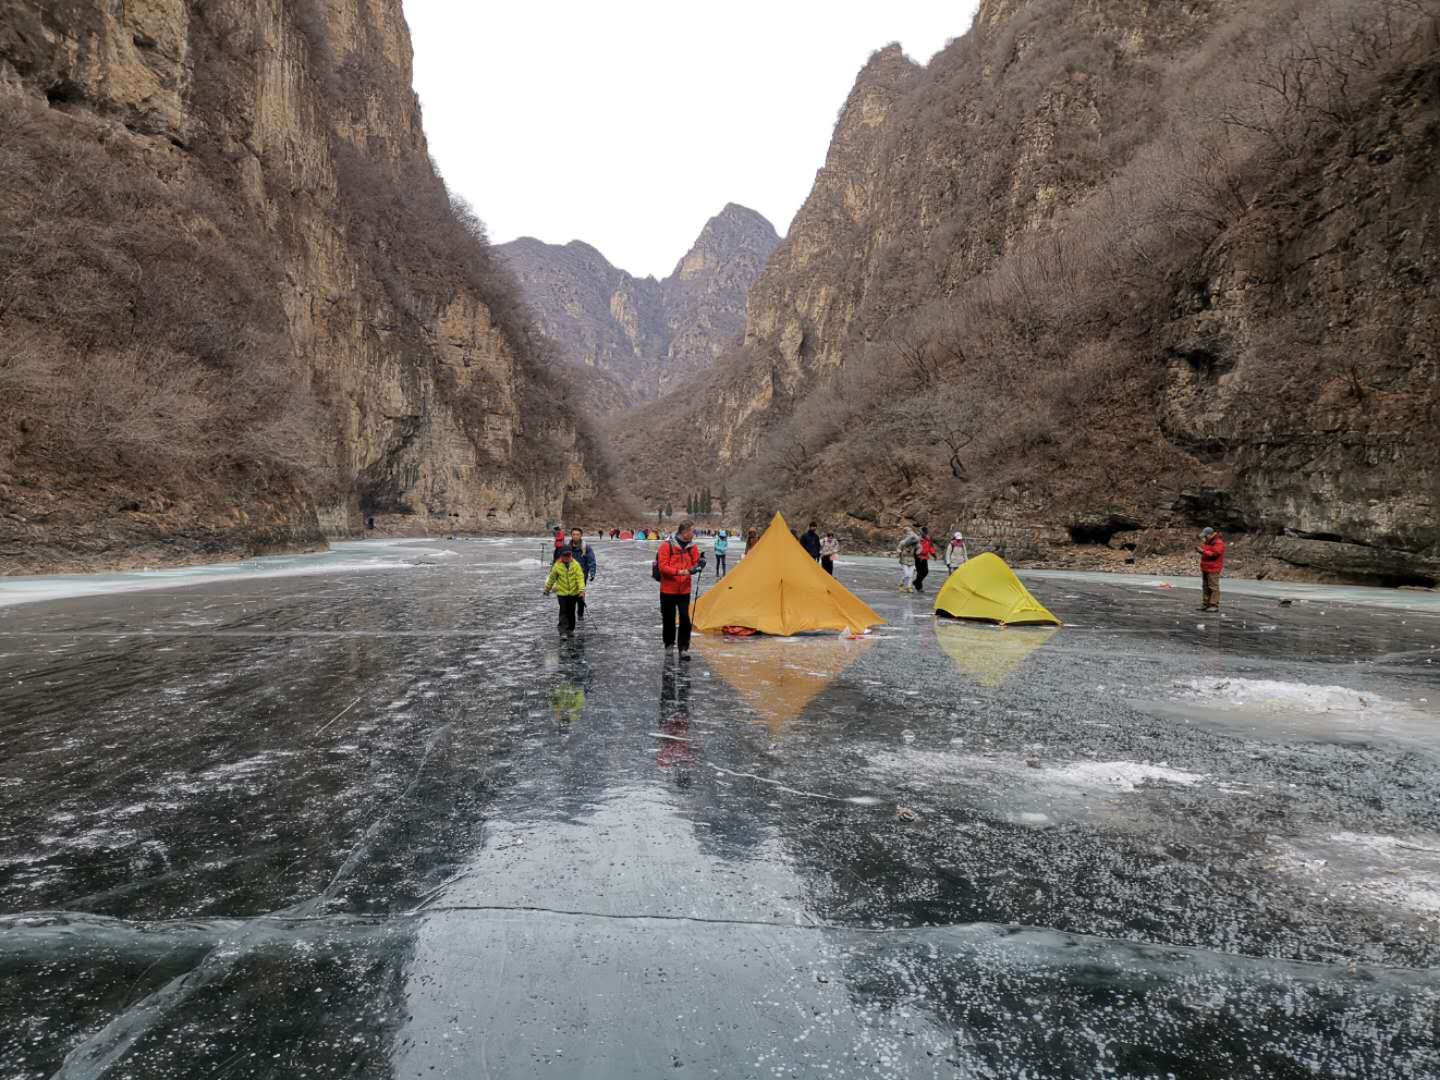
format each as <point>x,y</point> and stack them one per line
<point>722,547</point>
<point>567,582</point>
<point>955,553</point>
<point>584,554</point>
<point>924,552</point>
<point>1212,563</point>
<point>829,548</point>
<point>678,561</point>
<point>909,544</point>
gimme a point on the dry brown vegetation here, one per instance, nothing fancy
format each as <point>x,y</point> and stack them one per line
<point>139,332</point>
<point>1032,374</point>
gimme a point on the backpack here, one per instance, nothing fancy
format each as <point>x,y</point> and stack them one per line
<point>655,566</point>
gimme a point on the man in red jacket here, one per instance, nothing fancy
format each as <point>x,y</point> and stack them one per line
<point>679,560</point>
<point>1212,562</point>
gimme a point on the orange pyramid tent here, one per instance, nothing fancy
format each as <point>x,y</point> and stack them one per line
<point>778,589</point>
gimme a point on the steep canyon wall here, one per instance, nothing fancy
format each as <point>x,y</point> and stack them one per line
<point>240,310</point>
<point>1100,274</point>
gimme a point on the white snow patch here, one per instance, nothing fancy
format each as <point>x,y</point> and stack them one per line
<point>1393,871</point>
<point>66,586</point>
<point>1269,695</point>
<point>1115,776</point>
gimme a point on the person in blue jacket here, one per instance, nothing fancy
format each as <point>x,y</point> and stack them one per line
<point>722,545</point>
<point>585,556</point>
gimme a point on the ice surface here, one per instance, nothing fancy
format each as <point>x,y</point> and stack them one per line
<point>390,823</point>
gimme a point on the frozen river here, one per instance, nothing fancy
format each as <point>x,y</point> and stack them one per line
<point>364,815</point>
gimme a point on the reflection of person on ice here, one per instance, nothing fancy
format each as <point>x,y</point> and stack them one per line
<point>1212,563</point>
<point>567,582</point>
<point>677,749</point>
<point>678,561</point>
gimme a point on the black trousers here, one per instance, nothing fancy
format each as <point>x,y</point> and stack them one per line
<point>580,607</point>
<point>719,565</point>
<point>922,567</point>
<point>671,609</point>
<point>567,613</point>
<point>828,564</point>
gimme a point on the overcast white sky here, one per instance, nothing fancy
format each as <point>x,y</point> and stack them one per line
<point>628,124</point>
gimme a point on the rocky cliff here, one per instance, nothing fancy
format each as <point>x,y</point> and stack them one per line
<point>1105,271</point>
<point>644,334</point>
<point>239,311</point>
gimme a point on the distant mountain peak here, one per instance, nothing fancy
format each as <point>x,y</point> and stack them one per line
<point>647,334</point>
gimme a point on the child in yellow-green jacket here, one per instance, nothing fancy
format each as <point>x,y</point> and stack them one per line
<point>567,582</point>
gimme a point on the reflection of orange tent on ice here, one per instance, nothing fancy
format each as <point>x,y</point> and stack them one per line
<point>779,589</point>
<point>985,588</point>
<point>990,654</point>
<point>778,679</point>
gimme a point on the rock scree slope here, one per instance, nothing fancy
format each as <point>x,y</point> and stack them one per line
<point>239,311</point>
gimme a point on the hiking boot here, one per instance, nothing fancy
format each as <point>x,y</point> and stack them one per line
<point>684,654</point>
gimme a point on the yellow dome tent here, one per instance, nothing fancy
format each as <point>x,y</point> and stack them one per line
<point>990,654</point>
<point>985,588</point>
<point>778,589</point>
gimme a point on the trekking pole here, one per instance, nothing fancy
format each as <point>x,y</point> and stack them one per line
<point>699,580</point>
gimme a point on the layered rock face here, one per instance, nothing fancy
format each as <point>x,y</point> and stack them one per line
<point>264,236</point>
<point>1089,278</point>
<point>644,334</point>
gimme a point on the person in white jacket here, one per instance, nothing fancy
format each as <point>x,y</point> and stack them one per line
<point>829,548</point>
<point>955,553</point>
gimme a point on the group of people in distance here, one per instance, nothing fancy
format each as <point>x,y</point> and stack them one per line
<point>680,560</point>
<point>915,552</point>
<point>573,566</point>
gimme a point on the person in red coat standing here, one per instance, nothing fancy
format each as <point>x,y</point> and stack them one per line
<point>1212,562</point>
<point>679,560</point>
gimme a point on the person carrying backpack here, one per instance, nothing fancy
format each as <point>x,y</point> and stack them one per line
<point>567,582</point>
<point>722,545</point>
<point>909,545</point>
<point>585,556</point>
<point>955,553</point>
<point>678,561</point>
